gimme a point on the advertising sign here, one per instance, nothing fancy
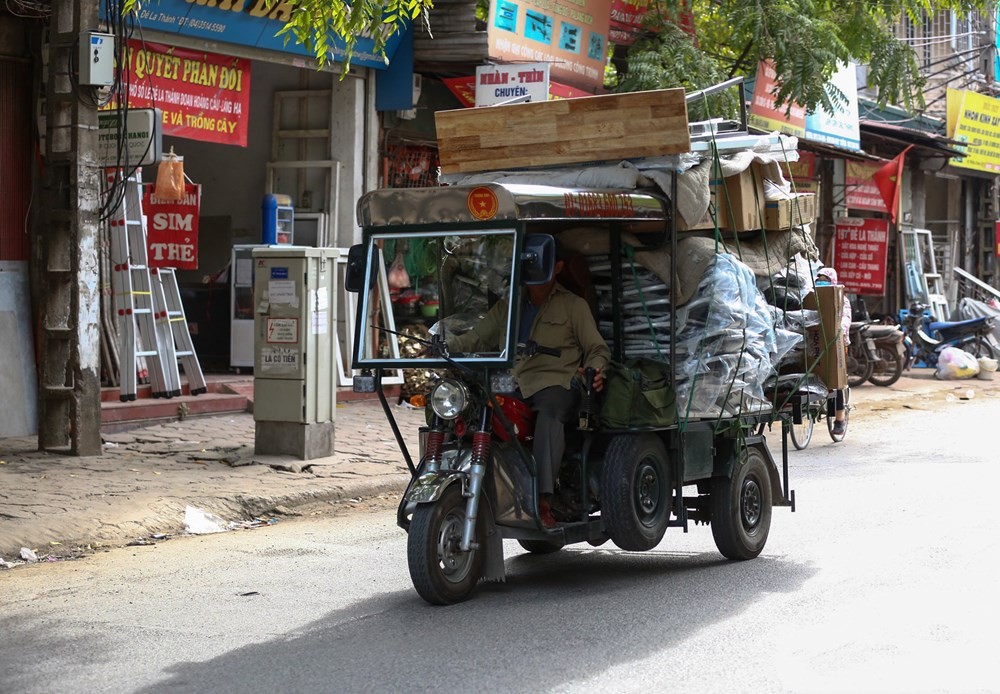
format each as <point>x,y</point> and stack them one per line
<point>203,96</point>
<point>860,249</point>
<point>802,173</point>
<point>840,127</point>
<point>626,20</point>
<point>247,23</point>
<point>862,193</point>
<point>464,89</point>
<point>975,119</point>
<point>764,114</point>
<point>143,133</point>
<point>571,36</point>
<point>172,228</point>
<point>496,84</point>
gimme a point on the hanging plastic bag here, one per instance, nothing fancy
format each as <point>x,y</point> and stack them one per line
<point>398,277</point>
<point>170,178</point>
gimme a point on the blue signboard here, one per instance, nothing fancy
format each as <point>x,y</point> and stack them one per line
<point>246,23</point>
<point>840,128</point>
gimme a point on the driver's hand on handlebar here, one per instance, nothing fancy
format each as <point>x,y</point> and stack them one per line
<point>598,384</point>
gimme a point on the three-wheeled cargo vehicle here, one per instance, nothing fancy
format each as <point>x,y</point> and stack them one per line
<point>674,437</point>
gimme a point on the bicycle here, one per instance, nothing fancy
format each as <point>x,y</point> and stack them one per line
<point>811,408</point>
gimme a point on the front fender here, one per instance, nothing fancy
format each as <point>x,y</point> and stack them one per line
<point>427,488</point>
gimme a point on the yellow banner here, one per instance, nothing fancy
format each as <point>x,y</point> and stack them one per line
<point>975,120</point>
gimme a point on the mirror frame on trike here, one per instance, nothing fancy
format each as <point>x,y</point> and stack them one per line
<point>534,264</point>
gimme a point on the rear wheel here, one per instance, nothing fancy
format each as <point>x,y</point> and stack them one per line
<point>888,368</point>
<point>980,347</point>
<point>635,491</point>
<point>441,572</point>
<point>539,546</point>
<point>741,507</point>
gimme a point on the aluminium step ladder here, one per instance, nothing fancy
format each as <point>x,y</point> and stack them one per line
<point>169,308</point>
<point>140,336</point>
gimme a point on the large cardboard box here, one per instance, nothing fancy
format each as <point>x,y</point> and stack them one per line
<point>825,341</point>
<point>738,202</point>
<point>790,212</point>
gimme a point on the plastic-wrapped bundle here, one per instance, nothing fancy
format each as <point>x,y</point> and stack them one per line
<point>729,342</point>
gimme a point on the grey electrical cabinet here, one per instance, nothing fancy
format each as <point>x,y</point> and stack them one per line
<point>294,370</point>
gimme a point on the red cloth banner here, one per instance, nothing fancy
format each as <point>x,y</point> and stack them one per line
<point>888,179</point>
<point>172,228</point>
<point>203,96</point>
<point>860,249</point>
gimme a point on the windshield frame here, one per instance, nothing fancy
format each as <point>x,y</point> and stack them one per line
<point>362,330</point>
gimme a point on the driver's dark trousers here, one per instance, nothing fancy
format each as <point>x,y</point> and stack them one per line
<point>554,406</point>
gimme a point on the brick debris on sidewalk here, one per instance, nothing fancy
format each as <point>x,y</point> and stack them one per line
<point>147,481</point>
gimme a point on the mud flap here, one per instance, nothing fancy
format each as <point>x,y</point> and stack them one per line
<point>493,566</point>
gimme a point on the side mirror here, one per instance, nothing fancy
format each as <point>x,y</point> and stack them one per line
<point>538,260</point>
<point>354,281</point>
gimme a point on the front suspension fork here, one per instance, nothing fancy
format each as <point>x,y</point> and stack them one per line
<point>477,471</point>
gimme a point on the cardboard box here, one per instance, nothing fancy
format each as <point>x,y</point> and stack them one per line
<point>738,202</point>
<point>825,341</point>
<point>790,212</point>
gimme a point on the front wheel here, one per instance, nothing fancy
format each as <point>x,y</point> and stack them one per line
<point>831,417</point>
<point>859,366</point>
<point>802,433</point>
<point>635,491</point>
<point>741,507</point>
<point>888,368</point>
<point>441,572</point>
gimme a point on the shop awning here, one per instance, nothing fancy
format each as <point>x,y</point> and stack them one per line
<point>926,142</point>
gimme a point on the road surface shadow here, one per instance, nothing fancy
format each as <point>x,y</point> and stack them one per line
<point>559,618</point>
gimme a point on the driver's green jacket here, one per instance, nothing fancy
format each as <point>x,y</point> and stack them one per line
<point>564,322</point>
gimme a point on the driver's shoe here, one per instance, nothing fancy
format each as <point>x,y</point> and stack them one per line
<point>545,511</point>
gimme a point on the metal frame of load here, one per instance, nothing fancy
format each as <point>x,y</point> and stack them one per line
<point>497,202</point>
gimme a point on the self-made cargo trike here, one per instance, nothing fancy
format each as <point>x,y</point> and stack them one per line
<point>626,476</point>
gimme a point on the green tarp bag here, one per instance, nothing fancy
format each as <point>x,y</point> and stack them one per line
<point>638,394</point>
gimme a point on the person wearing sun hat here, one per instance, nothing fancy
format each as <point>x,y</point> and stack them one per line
<point>827,275</point>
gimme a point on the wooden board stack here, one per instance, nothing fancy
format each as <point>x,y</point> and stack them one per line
<point>563,132</point>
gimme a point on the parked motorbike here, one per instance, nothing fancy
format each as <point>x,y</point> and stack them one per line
<point>925,338</point>
<point>861,354</point>
<point>890,354</point>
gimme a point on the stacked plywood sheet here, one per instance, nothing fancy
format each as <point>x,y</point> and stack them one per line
<point>563,132</point>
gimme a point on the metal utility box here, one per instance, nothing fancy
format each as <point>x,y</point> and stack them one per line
<point>294,370</point>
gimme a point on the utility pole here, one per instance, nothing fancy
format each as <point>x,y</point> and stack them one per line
<point>69,369</point>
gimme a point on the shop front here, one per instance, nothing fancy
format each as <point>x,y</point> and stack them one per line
<point>276,150</point>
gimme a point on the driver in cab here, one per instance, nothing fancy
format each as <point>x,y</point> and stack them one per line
<point>552,317</point>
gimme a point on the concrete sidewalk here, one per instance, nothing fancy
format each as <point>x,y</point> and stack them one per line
<point>146,479</point>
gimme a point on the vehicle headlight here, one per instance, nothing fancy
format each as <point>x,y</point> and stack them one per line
<point>449,398</point>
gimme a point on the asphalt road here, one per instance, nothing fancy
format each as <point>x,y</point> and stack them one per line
<point>884,580</point>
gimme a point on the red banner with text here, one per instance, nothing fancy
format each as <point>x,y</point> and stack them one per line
<point>203,96</point>
<point>862,193</point>
<point>860,249</point>
<point>172,228</point>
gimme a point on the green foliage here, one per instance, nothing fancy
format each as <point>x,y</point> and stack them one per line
<point>318,23</point>
<point>806,39</point>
